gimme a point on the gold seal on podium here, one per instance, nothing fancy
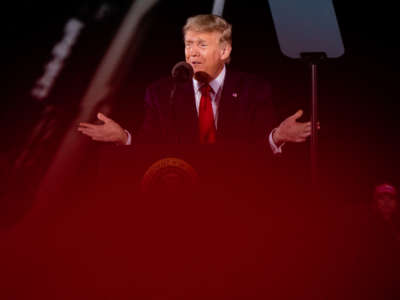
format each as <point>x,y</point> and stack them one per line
<point>169,175</point>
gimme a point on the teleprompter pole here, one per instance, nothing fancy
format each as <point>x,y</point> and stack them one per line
<point>314,59</point>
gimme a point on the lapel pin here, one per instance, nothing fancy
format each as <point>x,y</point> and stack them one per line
<point>234,95</point>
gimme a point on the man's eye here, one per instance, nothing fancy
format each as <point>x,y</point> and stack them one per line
<point>203,45</point>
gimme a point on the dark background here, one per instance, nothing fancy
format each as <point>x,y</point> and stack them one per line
<point>358,101</point>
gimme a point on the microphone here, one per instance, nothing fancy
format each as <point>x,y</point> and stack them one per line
<point>182,72</point>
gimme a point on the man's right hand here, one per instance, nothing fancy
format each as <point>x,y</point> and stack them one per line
<point>109,131</point>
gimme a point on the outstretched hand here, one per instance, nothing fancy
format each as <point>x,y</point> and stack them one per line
<point>292,131</point>
<point>109,131</point>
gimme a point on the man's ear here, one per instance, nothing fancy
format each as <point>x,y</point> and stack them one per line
<point>226,51</point>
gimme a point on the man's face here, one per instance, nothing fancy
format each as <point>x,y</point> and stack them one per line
<point>205,53</point>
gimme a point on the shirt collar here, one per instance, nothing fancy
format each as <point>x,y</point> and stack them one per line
<point>215,84</point>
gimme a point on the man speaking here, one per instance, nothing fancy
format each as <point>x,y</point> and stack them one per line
<point>217,105</point>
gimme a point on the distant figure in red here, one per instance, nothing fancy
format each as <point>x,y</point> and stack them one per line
<point>386,203</point>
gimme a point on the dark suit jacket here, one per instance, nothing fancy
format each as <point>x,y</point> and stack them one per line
<point>246,112</point>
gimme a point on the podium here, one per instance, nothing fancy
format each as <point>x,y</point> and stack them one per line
<point>211,221</point>
<point>216,231</point>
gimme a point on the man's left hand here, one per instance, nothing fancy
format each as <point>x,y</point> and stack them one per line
<point>292,131</point>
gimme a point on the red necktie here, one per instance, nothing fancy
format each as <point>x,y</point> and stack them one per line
<point>207,129</point>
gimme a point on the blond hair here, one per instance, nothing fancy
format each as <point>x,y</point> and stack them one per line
<point>210,23</point>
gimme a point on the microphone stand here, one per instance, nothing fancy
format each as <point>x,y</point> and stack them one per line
<point>173,112</point>
<point>181,73</point>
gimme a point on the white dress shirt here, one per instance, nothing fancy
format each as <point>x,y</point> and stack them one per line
<point>215,94</point>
